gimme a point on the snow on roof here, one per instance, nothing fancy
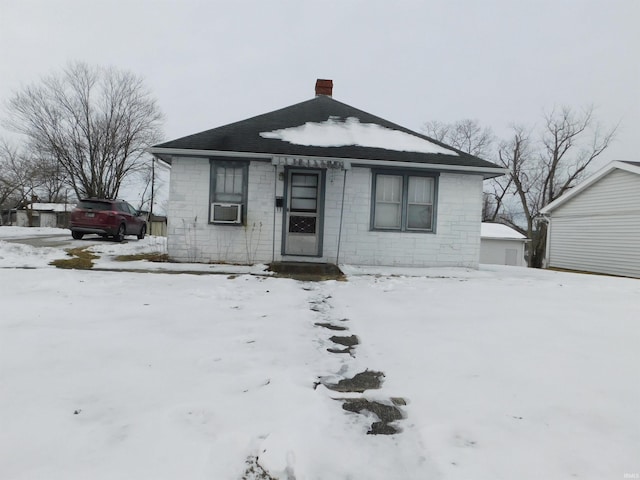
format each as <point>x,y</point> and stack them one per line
<point>335,133</point>
<point>52,207</point>
<point>498,230</point>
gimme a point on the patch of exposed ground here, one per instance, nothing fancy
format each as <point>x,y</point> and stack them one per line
<point>150,257</point>
<point>386,414</point>
<point>81,259</point>
<point>307,272</point>
<point>339,350</point>
<point>348,342</point>
<point>331,326</point>
<point>367,380</point>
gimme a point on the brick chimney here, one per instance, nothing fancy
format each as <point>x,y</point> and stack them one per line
<point>324,87</point>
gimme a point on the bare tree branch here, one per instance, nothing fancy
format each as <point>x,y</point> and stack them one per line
<point>465,135</point>
<point>95,123</point>
<point>539,171</point>
<point>569,143</point>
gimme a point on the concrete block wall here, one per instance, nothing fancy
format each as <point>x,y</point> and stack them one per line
<point>456,241</point>
<point>190,236</point>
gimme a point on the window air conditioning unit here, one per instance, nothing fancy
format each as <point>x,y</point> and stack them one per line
<point>226,213</point>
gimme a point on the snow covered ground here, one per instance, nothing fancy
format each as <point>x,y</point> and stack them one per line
<point>507,372</point>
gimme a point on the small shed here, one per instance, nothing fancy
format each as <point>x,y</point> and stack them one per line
<point>595,227</point>
<point>37,214</point>
<point>157,223</point>
<point>502,245</point>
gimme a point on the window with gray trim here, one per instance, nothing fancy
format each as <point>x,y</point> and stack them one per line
<point>403,201</point>
<point>228,192</point>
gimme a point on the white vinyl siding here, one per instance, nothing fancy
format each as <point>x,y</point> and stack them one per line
<point>614,193</point>
<point>599,229</point>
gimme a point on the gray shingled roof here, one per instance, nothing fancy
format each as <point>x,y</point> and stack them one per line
<point>244,136</point>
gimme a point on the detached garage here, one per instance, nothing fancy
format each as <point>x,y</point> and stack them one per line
<point>55,215</point>
<point>596,226</point>
<point>502,245</point>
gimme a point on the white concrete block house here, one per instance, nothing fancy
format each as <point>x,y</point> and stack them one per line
<point>321,181</point>
<point>595,227</point>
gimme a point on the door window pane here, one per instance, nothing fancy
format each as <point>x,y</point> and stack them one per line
<point>303,204</point>
<point>304,192</point>
<point>304,179</point>
<point>302,224</point>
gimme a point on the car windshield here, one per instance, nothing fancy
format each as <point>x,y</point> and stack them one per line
<point>94,205</point>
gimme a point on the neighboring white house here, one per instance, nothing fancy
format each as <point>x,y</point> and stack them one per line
<point>44,215</point>
<point>502,245</point>
<point>321,181</point>
<point>595,227</point>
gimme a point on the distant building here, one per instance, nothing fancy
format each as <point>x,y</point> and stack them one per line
<point>595,227</point>
<point>157,224</point>
<point>44,215</point>
<point>502,245</point>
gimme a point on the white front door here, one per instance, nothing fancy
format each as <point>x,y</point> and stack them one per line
<point>303,222</point>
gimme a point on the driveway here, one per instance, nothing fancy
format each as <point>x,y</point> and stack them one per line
<point>58,240</point>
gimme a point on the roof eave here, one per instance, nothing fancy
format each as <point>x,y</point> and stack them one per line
<point>166,154</point>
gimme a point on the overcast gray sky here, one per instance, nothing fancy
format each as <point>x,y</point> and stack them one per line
<point>210,63</point>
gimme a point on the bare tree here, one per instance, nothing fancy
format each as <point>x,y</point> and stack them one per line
<point>52,179</point>
<point>92,123</point>
<point>470,137</point>
<point>19,174</point>
<point>541,173</point>
<point>20,178</point>
<point>541,166</point>
<point>496,193</point>
<point>8,182</point>
<point>465,135</point>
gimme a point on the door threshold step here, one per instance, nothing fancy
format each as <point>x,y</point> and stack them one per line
<point>307,270</point>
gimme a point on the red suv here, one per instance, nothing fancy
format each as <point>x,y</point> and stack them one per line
<point>107,218</point>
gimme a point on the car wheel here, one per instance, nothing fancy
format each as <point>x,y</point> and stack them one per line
<point>119,236</point>
<point>143,231</point>
<point>77,235</point>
